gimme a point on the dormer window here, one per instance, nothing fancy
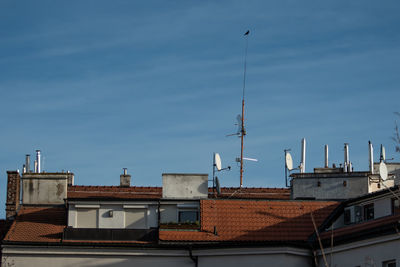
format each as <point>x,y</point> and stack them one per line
<point>187,215</point>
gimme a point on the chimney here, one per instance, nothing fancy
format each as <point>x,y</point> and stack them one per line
<point>70,178</point>
<point>13,191</point>
<point>125,179</point>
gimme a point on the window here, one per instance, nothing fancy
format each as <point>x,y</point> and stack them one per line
<point>369,212</point>
<point>87,217</point>
<point>188,216</point>
<point>395,206</point>
<point>391,263</point>
<point>357,214</point>
<point>347,216</point>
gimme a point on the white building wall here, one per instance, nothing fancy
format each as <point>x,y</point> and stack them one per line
<point>185,186</point>
<point>373,187</point>
<point>117,221</point>
<point>44,188</point>
<point>84,256</point>
<point>329,188</point>
<point>382,207</point>
<point>371,252</point>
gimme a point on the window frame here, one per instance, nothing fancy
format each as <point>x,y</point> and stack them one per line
<point>182,210</point>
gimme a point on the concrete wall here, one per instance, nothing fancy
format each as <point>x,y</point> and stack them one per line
<point>371,252</point>
<point>117,221</point>
<point>330,188</point>
<point>69,256</point>
<point>185,186</point>
<point>377,186</point>
<point>382,207</point>
<point>44,188</point>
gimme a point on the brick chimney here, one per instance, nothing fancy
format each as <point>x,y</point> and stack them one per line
<point>13,191</point>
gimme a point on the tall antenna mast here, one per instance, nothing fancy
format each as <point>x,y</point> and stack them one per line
<point>243,131</point>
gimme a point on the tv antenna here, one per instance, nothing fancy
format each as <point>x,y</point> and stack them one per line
<point>241,130</point>
<point>217,166</point>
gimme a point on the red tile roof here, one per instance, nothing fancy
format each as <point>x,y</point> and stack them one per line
<point>114,192</point>
<point>38,224</point>
<point>46,225</point>
<point>241,220</point>
<point>359,227</point>
<point>253,193</point>
<point>136,192</point>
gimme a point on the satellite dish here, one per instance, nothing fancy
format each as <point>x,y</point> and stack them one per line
<point>217,160</point>
<point>383,173</point>
<point>289,161</point>
<point>217,186</point>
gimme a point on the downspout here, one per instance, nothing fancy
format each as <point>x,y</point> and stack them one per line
<point>195,259</point>
<point>158,220</point>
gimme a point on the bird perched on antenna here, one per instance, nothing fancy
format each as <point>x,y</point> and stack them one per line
<point>247,33</point>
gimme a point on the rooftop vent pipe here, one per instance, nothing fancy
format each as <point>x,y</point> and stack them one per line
<point>303,156</point>
<point>28,163</point>
<point>38,170</point>
<point>346,158</point>
<point>383,154</point>
<point>326,157</point>
<point>371,157</point>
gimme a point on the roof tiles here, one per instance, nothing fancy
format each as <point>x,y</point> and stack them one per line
<point>34,224</point>
<point>240,220</point>
<point>137,192</point>
<point>114,192</point>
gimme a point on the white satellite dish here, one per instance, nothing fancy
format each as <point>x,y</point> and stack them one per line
<point>217,160</point>
<point>383,173</point>
<point>217,186</point>
<point>289,161</point>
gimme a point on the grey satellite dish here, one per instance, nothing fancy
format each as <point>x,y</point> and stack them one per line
<point>217,160</point>
<point>217,186</point>
<point>383,173</point>
<point>289,162</point>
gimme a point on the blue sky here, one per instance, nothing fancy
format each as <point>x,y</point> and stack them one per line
<point>156,86</point>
